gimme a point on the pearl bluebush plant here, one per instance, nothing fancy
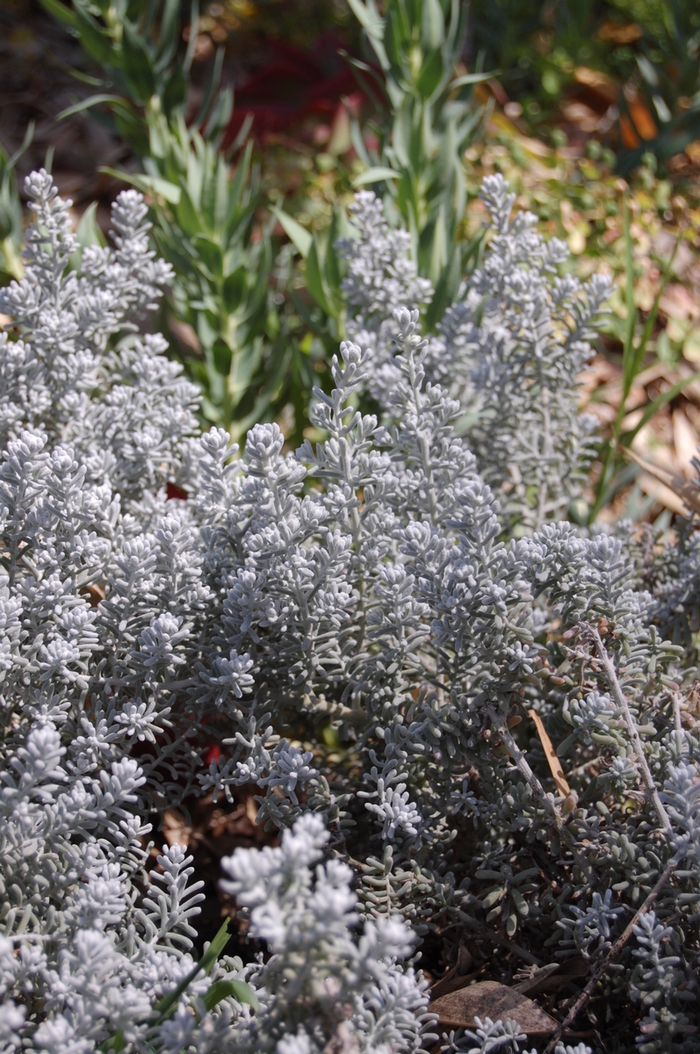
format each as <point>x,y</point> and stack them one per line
<point>365,627</point>
<point>510,350</point>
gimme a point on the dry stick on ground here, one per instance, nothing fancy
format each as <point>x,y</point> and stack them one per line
<point>613,953</point>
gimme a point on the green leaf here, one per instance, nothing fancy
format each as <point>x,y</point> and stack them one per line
<point>359,143</point>
<point>116,1043</point>
<point>438,247</point>
<point>234,288</point>
<point>238,183</point>
<point>315,281</point>
<point>445,293</point>
<point>138,68</point>
<point>216,948</point>
<point>471,78</point>
<point>433,24</point>
<point>159,138</point>
<point>60,12</point>
<point>369,18</point>
<point>392,43</point>
<point>243,370</point>
<point>633,355</point>
<point>333,273</point>
<point>568,742</point>
<point>169,34</point>
<point>163,188</point>
<point>221,184</point>
<point>95,100</point>
<point>147,184</point>
<point>223,356</point>
<point>430,75</point>
<point>401,135</point>
<point>175,90</point>
<point>211,88</point>
<point>169,1002</point>
<point>186,215</point>
<point>20,151</point>
<point>375,175</point>
<point>294,231</point>
<point>93,38</point>
<point>210,252</point>
<point>192,42</point>
<point>304,313</point>
<point>222,989</point>
<point>628,349</point>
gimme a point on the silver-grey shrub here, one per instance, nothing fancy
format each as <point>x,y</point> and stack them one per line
<point>510,350</point>
<point>354,625</point>
<point>109,611</point>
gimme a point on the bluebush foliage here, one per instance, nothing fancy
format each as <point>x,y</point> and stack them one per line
<point>365,627</point>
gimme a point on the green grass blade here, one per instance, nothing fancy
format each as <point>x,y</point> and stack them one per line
<point>656,404</point>
<point>169,1002</point>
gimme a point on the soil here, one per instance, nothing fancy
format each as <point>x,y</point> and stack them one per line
<point>37,55</point>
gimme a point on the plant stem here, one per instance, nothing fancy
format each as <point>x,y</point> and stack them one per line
<point>623,703</point>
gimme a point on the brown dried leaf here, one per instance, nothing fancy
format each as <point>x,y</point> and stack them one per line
<point>678,302</point>
<point>551,755</point>
<point>686,492</point>
<point>597,82</point>
<point>95,594</point>
<point>175,829</point>
<point>494,1000</point>
<point>663,495</point>
<point>685,442</point>
<point>185,334</point>
<point>251,809</point>
<point>618,34</point>
<point>658,371</point>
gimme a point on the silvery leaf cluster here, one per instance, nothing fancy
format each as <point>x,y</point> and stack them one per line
<point>364,628</point>
<point>510,350</point>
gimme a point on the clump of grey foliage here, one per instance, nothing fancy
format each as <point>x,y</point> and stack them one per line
<point>510,350</point>
<point>363,626</point>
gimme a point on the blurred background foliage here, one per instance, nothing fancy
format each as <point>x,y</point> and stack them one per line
<point>249,123</point>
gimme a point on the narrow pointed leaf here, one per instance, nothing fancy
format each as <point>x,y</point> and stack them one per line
<point>375,175</point>
<point>294,231</point>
